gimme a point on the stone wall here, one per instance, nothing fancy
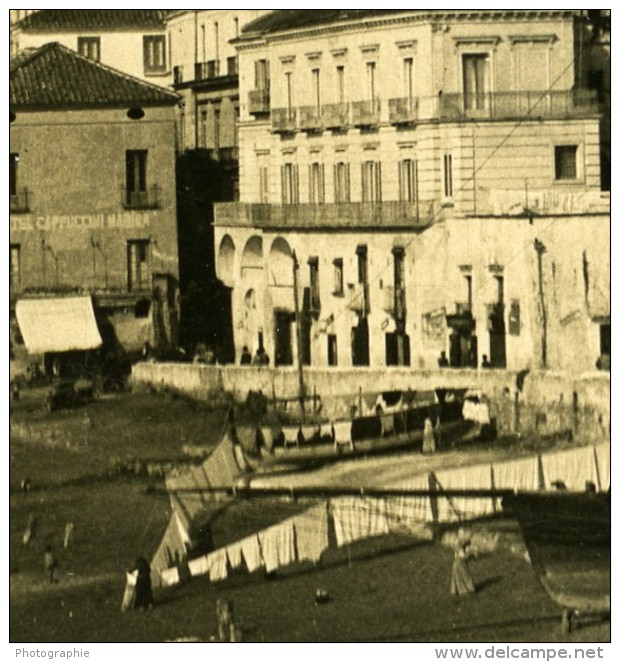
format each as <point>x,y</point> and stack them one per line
<point>544,403</point>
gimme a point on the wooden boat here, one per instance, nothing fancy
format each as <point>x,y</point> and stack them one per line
<point>309,445</point>
<point>568,538</point>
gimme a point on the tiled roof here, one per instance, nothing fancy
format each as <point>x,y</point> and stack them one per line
<point>290,19</point>
<point>46,20</point>
<point>54,75</point>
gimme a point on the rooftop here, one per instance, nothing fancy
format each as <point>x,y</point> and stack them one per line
<point>93,19</point>
<point>54,75</point>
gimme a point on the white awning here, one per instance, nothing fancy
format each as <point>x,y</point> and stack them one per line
<point>57,325</point>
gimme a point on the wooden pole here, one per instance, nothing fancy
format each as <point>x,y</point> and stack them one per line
<point>300,369</point>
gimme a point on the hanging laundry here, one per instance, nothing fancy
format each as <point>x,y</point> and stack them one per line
<point>198,566</point>
<point>387,425</point>
<point>341,433</point>
<point>516,474</point>
<point>311,533</point>
<point>277,545</point>
<point>268,437</point>
<point>250,548</point>
<point>452,509</point>
<point>310,432</point>
<point>217,563</point>
<point>570,468</point>
<point>170,576</point>
<point>356,518</point>
<point>603,462</point>
<point>291,435</point>
<point>233,552</point>
<point>409,511</point>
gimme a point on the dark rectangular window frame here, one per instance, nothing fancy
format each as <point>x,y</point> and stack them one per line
<point>138,248</point>
<point>90,47</point>
<point>338,277</point>
<point>154,53</point>
<point>13,174</point>
<point>565,163</point>
<point>14,274</point>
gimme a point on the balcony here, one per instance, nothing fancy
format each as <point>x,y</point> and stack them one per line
<point>366,113</point>
<point>348,215</point>
<point>335,115</point>
<point>403,110</point>
<point>358,298</point>
<point>460,317</point>
<point>204,70</point>
<point>518,105</point>
<point>147,199</point>
<point>394,302</point>
<point>283,120</point>
<point>20,203</point>
<point>259,101</point>
<point>310,118</point>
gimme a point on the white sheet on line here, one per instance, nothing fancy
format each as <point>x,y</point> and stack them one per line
<point>573,467</point>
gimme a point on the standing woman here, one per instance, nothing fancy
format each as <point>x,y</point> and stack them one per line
<point>428,438</point>
<point>461,582</point>
<point>144,592</point>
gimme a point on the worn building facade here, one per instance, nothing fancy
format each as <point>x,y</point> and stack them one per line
<point>92,193</point>
<point>385,158</point>
<point>130,40</point>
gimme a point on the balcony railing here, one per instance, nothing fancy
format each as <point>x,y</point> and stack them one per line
<point>310,118</point>
<point>394,301</point>
<point>335,115</point>
<point>284,120</point>
<point>147,199</point>
<point>403,110</point>
<point>20,203</point>
<point>366,113</point>
<point>259,101</point>
<point>509,105</point>
<point>394,214</point>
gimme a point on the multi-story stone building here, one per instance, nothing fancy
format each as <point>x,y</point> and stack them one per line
<point>411,182</point>
<point>130,40</point>
<point>92,193</point>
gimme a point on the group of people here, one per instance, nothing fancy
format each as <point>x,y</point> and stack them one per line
<point>443,362</point>
<point>261,358</point>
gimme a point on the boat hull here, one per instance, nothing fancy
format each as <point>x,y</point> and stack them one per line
<point>568,538</point>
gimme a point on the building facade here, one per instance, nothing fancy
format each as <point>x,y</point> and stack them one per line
<point>130,40</point>
<point>92,193</point>
<point>385,158</point>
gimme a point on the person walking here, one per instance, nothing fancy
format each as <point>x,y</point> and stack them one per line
<point>428,437</point>
<point>461,581</point>
<point>144,592</point>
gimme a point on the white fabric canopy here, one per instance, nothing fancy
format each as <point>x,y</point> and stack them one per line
<point>57,325</point>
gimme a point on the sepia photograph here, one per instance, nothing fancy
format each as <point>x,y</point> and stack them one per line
<point>310,330</point>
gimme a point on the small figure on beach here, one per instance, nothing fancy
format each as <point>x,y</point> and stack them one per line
<point>461,582</point>
<point>50,564</point>
<point>428,438</point>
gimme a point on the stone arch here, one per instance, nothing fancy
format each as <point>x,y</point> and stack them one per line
<point>280,264</point>
<point>226,261</point>
<point>252,258</point>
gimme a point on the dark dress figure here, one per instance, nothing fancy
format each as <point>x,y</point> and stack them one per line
<point>246,357</point>
<point>144,592</point>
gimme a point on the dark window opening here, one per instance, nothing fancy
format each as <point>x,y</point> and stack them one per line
<point>332,350</point>
<point>397,349</point>
<point>154,53</point>
<point>90,47</point>
<point>142,308</point>
<point>566,162</point>
<point>138,264</point>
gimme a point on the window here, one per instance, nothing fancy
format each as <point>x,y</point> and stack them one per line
<point>261,74</point>
<point>315,301</point>
<point>154,54</point>
<point>13,161</point>
<point>317,183</point>
<point>290,184</point>
<point>138,264</point>
<point>408,180</point>
<point>231,64</point>
<point>475,80</point>
<point>136,192</point>
<point>216,128</point>
<point>447,175</point>
<point>14,265</point>
<point>89,47</point>
<point>408,77</point>
<point>362,274</point>
<point>371,181</point>
<point>332,349</point>
<point>213,68</point>
<point>236,24</point>
<point>340,84</point>
<point>316,87</point>
<point>371,68</point>
<point>566,162</point>
<point>288,78</point>
<point>342,191</point>
<point>204,114</point>
<point>338,277</point>
<point>263,173</point>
